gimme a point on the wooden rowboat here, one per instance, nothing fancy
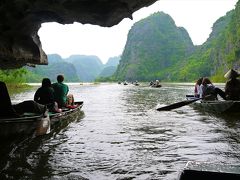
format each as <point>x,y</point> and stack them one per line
<point>156,86</point>
<point>32,124</point>
<point>216,106</point>
<point>209,171</point>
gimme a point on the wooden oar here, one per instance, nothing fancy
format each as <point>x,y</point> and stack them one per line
<point>177,105</point>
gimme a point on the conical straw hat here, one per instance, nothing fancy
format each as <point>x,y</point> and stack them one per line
<point>231,74</point>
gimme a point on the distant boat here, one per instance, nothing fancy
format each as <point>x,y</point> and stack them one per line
<point>136,83</point>
<point>156,85</point>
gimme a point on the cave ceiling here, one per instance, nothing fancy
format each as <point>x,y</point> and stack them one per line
<point>20,21</point>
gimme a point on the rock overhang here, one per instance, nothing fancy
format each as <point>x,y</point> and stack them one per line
<point>20,21</point>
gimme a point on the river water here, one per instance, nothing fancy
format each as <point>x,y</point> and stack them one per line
<point>120,135</point>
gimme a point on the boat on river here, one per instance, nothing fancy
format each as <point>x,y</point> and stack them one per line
<point>32,124</point>
<point>209,171</point>
<point>136,84</point>
<point>217,106</point>
<point>156,86</point>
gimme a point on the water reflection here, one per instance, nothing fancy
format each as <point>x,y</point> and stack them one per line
<point>122,136</point>
<point>27,157</point>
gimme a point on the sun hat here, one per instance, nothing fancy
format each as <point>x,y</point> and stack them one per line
<point>231,74</point>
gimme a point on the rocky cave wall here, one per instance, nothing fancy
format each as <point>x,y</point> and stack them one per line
<point>20,21</point>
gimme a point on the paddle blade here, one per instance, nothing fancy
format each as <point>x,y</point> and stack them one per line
<point>177,105</point>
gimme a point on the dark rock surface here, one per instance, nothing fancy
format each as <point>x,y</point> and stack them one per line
<point>20,21</point>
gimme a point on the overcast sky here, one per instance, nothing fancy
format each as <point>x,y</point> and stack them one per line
<point>196,16</point>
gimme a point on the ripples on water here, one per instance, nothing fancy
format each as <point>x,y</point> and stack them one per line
<point>120,135</point>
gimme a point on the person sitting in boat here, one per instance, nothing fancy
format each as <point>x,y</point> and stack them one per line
<point>157,83</point>
<point>45,95</point>
<point>151,83</point>
<point>207,89</point>
<point>197,87</point>
<point>209,92</point>
<point>232,87</point>
<point>61,95</point>
<point>16,110</point>
<point>136,83</point>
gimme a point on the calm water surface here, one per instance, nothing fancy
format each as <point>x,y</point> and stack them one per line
<point>120,135</point>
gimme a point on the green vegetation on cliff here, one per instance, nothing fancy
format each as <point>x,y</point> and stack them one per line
<point>56,66</point>
<point>87,67</point>
<point>75,68</point>
<point>154,44</point>
<point>215,57</point>
<point>157,49</point>
<point>13,76</point>
<point>15,79</point>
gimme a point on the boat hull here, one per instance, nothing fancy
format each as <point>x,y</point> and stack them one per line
<point>218,106</point>
<point>18,126</point>
<point>209,171</point>
<point>29,124</point>
<point>156,86</point>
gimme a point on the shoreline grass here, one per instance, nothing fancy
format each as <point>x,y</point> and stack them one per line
<point>14,88</point>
